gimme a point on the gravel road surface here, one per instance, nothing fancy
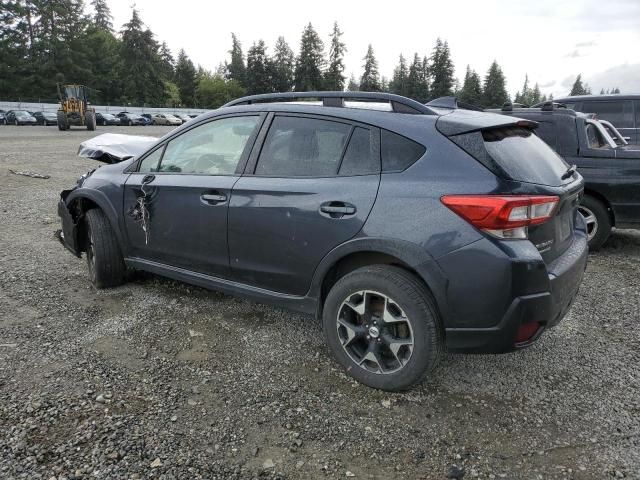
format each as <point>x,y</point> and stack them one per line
<point>158,379</point>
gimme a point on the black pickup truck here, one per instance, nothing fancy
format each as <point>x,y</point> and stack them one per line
<point>610,167</point>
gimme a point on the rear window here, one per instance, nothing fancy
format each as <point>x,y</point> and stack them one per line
<point>618,112</point>
<point>524,157</point>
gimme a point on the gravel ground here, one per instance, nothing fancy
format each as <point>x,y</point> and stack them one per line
<point>157,379</point>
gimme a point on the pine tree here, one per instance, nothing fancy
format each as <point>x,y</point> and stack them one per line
<point>258,70</point>
<point>399,82</point>
<point>536,96</point>
<point>310,62</point>
<point>142,83</point>
<point>471,91</point>
<point>353,84</point>
<point>494,90</point>
<point>282,66</point>
<point>418,80</point>
<point>579,88</point>
<point>334,77</point>
<point>370,80</point>
<point>102,17</point>
<point>441,70</point>
<point>14,48</point>
<point>185,78</point>
<point>103,54</point>
<point>167,63</point>
<point>236,70</point>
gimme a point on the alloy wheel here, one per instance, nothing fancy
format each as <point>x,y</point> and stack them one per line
<point>591,220</point>
<point>375,332</point>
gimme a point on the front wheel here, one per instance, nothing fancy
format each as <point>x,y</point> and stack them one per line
<point>104,259</point>
<point>381,324</point>
<point>598,221</point>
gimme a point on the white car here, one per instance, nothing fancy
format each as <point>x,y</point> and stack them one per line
<point>165,119</point>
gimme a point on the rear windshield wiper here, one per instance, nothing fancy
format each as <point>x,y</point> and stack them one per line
<point>570,171</point>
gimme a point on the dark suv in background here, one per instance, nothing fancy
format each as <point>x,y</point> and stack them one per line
<point>406,228</point>
<point>621,110</point>
<point>611,169</point>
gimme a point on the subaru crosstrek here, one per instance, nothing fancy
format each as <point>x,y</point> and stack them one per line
<point>406,228</point>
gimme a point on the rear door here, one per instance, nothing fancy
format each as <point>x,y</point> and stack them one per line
<point>185,186</point>
<point>310,189</point>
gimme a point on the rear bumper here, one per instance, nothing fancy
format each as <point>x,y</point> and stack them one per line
<point>546,308</point>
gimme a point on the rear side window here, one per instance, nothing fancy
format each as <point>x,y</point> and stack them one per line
<point>520,155</point>
<point>398,152</point>
<point>619,112</point>
<point>303,147</point>
<point>359,159</point>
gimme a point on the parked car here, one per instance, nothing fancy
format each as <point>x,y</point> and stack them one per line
<point>621,110</point>
<point>20,117</point>
<point>406,228</point>
<point>130,119</point>
<point>184,118</point>
<point>610,168</point>
<point>45,118</point>
<point>147,118</point>
<point>166,119</point>
<point>3,119</point>
<point>105,119</point>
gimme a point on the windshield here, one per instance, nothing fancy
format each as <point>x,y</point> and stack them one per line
<point>21,113</point>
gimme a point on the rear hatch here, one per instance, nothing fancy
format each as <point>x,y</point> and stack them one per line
<point>526,165</point>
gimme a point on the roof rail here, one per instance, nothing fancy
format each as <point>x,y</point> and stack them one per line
<point>451,103</point>
<point>399,104</point>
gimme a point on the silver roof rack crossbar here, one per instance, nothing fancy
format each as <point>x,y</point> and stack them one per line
<point>399,104</point>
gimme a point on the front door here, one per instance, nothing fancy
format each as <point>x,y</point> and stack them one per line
<point>176,205</point>
<point>312,189</point>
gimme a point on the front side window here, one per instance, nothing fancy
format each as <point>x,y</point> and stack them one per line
<point>150,162</point>
<point>214,148</point>
<point>302,147</point>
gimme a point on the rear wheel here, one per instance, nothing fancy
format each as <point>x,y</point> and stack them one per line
<point>383,328</point>
<point>90,120</point>
<point>598,221</point>
<point>16,123</point>
<point>104,259</point>
<point>62,121</point>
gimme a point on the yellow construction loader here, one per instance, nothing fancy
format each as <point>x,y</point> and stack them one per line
<point>74,107</point>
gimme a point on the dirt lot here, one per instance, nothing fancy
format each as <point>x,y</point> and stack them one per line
<point>157,379</point>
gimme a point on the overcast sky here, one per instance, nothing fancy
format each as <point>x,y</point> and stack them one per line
<point>551,40</point>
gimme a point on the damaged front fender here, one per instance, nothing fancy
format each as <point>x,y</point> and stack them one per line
<point>69,235</point>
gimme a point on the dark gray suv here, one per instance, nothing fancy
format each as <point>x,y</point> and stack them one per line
<point>406,228</point>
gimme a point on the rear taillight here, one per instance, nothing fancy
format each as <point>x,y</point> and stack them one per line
<point>503,216</point>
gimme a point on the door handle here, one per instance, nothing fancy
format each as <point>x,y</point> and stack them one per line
<point>148,179</point>
<point>337,209</point>
<point>213,198</point>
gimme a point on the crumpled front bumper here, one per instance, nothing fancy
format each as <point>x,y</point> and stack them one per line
<point>68,235</point>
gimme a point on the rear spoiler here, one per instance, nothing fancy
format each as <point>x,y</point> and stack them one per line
<point>115,147</point>
<point>465,121</point>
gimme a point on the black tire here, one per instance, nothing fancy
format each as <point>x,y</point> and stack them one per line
<point>598,221</point>
<point>16,122</point>
<point>104,123</point>
<point>421,322</point>
<point>62,121</point>
<point>130,123</point>
<point>90,121</point>
<point>104,259</point>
